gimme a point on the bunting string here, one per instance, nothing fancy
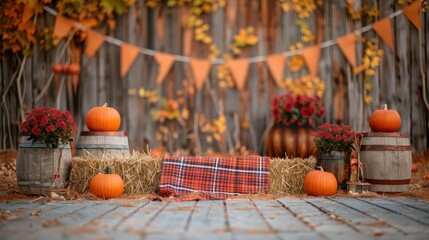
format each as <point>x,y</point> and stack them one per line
<point>255,59</point>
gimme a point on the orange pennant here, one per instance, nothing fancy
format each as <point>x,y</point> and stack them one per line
<point>276,65</point>
<point>311,56</point>
<point>413,14</point>
<point>200,69</point>
<point>239,69</point>
<point>384,29</point>
<point>165,61</point>
<point>93,43</point>
<point>128,55</point>
<point>28,11</point>
<point>347,46</point>
<point>61,28</point>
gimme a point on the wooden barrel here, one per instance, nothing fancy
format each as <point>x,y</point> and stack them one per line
<point>101,143</point>
<point>36,165</point>
<point>386,159</point>
<point>337,163</point>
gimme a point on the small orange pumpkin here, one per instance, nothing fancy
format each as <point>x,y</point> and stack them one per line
<point>157,152</point>
<point>385,120</point>
<point>107,185</point>
<point>414,167</point>
<point>320,183</point>
<point>103,118</point>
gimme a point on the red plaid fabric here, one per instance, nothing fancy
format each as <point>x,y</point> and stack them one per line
<point>214,178</point>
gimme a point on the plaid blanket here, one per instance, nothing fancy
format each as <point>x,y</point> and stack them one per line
<point>193,178</point>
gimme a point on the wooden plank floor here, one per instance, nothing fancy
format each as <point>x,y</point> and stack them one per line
<point>284,218</point>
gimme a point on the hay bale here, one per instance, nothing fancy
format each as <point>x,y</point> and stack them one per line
<point>287,175</point>
<point>141,172</point>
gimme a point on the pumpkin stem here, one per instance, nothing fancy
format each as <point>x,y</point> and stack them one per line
<point>108,170</point>
<point>319,168</point>
<point>104,105</point>
<point>384,106</point>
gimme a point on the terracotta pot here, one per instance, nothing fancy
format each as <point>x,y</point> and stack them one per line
<point>290,140</point>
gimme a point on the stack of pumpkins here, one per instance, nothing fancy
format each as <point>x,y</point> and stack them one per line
<point>386,153</point>
<point>103,136</point>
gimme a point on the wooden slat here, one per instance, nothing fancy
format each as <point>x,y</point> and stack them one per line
<point>419,216</point>
<point>354,218</point>
<point>376,210</point>
<point>279,218</point>
<point>174,217</point>
<point>246,222</point>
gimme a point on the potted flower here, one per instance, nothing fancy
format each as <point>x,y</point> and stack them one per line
<point>291,133</point>
<point>44,157</point>
<point>335,143</point>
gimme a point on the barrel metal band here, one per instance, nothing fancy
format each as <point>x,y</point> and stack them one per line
<point>38,145</point>
<point>385,148</point>
<point>101,146</point>
<point>34,183</point>
<point>389,182</point>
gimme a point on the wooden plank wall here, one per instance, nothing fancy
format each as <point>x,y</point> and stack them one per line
<point>398,81</point>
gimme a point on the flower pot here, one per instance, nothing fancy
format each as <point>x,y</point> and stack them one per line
<point>338,163</point>
<point>290,140</point>
<point>36,166</point>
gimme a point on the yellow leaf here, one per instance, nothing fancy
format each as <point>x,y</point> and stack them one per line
<point>209,139</point>
<point>368,99</point>
<point>132,91</point>
<point>285,7</point>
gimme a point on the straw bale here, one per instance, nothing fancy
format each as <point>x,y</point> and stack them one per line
<point>287,174</point>
<point>141,172</point>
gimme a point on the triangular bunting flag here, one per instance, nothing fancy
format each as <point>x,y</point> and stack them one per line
<point>413,14</point>
<point>93,43</point>
<point>128,55</point>
<point>200,70</point>
<point>239,69</point>
<point>164,61</point>
<point>311,56</point>
<point>28,11</point>
<point>347,46</point>
<point>384,29</point>
<point>61,28</point>
<point>276,65</point>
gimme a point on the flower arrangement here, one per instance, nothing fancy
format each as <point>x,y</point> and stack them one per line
<point>332,137</point>
<point>299,108</point>
<point>49,125</point>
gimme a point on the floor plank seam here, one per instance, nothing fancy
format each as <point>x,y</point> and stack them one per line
<point>301,219</point>
<point>395,212</point>
<point>372,216</point>
<point>129,215</point>
<point>272,230</point>
<point>188,221</point>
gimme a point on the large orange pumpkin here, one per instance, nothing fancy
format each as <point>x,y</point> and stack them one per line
<point>320,183</point>
<point>291,141</point>
<point>103,118</point>
<point>107,185</point>
<point>385,120</point>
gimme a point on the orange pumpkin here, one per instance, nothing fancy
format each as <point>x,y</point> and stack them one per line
<point>290,141</point>
<point>320,183</point>
<point>385,120</point>
<point>414,167</point>
<point>107,185</point>
<point>103,118</point>
<point>157,152</point>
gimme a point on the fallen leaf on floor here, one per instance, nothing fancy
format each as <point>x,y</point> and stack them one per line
<point>51,223</point>
<point>127,204</point>
<point>378,232</point>
<point>35,213</point>
<point>134,231</point>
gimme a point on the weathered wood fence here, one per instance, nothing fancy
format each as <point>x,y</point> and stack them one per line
<point>398,81</point>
